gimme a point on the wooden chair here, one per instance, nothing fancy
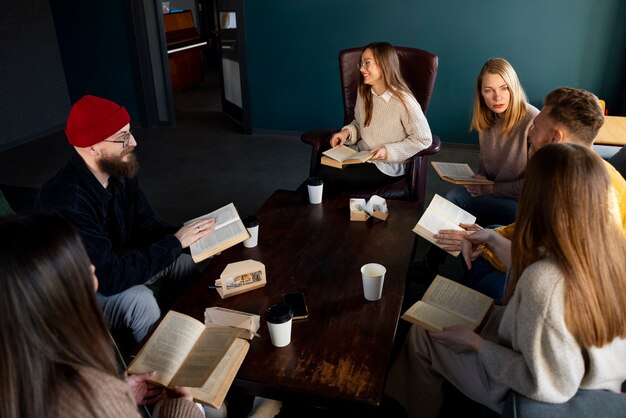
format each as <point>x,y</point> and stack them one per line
<point>419,69</point>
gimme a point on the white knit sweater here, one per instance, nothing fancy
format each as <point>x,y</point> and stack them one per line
<point>536,355</point>
<point>404,131</point>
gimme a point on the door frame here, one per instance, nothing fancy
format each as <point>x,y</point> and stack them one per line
<point>151,68</point>
<point>242,115</point>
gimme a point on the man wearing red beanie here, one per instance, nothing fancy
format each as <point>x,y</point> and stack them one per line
<point>97,191</point>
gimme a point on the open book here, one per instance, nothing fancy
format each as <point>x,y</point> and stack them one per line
<point>457,173</point>
<point>185,352</point>
<point>442,214</point>
<point>447,303</point>
<point>228,231</point>
<point>340,156</point>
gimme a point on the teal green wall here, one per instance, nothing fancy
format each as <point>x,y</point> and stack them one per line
<point>293,47</point>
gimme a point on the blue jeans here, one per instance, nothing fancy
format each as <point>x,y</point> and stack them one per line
<point>136,309</point>
<point>488,210</point>
<point>485,279</point>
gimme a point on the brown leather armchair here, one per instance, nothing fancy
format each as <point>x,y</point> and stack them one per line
<point>419,69</point>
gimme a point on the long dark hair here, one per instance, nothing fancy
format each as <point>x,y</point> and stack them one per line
<point>50,322</point>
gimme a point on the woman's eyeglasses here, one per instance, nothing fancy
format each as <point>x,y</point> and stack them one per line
<point>365,64</point>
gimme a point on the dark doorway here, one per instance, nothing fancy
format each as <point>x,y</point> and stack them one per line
<point>183,64</point>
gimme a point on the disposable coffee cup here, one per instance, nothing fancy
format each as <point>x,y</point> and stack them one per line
<point>373,276</point>
<point>315,186</point>
<point>279,319</point>
<point>252,225</point>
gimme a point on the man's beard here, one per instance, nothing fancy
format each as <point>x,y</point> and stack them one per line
<point>116,166</point>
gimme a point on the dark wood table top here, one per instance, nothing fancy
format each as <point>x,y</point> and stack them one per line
<point>340,353</point>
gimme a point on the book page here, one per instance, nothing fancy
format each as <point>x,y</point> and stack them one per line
<point>223,234</point>
<point>168,346</point>
<point>340,153</point>
<point>205,356</point>
<point>215,388</point>
<point>228,230</point>
<point>457,171</point>
<point>223,216</point>
<point>442,214</point>
<point>458,299</point>
<point>360,157</point>
<point>433,318</point>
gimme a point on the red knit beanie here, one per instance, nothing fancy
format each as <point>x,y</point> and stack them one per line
<point>93,119</point>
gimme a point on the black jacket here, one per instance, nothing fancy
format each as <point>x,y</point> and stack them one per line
<point>124,238</point>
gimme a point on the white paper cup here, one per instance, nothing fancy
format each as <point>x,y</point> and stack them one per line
<point>252,225</point>
<point>315,186</point>
<point>279,318</point>
<point>373,276</point>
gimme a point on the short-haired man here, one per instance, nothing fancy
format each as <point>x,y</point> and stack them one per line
<point>568,115</point>
<point>98,192</point>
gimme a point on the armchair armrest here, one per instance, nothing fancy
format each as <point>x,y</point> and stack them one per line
<point>417,173</point>
<point>319,139</point>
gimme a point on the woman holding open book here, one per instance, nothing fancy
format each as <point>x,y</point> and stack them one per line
<point>502,117</point>
<point>56,355</point>
<point>388,121</point>
<point>564,326</point>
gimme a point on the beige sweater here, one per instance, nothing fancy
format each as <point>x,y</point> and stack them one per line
<point>112,398</point>
<point>503,158</point>
<point>536,355</point>
<point>403,131</point>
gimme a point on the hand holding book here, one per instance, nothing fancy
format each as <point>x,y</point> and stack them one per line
<point>458,339</point>
<point>451,239</point>
<point>447,303</point>
<point>194,231</point>
<point>442,215</point>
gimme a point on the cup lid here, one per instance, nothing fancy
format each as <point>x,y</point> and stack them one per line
<point>315,181</point>
<point>250,221</point>
<point>278,313</point>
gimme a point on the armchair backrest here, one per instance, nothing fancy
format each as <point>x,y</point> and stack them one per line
<point>418,67</point>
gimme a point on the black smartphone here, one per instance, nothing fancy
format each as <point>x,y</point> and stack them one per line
<point>297,303</point>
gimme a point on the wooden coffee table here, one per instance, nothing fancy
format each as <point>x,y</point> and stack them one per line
<point>341,352</point>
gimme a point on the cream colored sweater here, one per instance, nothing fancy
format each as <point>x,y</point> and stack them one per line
<point>112,398</point>
<point>536,355</point>
<point>403,131</point>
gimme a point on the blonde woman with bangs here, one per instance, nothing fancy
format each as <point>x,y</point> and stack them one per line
<point>502,117</point>
<point>388,120</point>
<point>564,325</point>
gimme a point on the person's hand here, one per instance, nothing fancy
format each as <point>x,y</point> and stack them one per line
<point>339,138</point>
<point>476,190</point>
<point>474,244</point>
<point>193,231</point>
<point>458,339</point>
<point>179,392</point>
<point>451,239</point>
<point>380,153</point>
<point>145,392</point>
